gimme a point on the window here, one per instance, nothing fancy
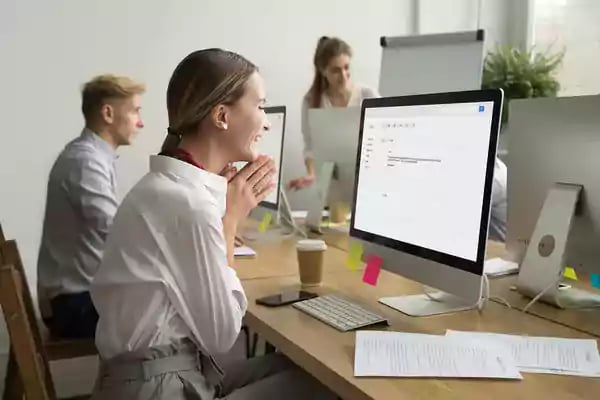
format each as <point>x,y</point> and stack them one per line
<point>573,25</point>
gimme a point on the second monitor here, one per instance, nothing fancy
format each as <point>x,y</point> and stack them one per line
<point>271,144</point>
<point>554,196</point>
<point>334,134</point>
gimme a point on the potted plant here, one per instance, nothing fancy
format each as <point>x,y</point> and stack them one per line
<point>521,73</point>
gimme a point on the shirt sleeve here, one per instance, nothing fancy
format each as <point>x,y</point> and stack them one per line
<point>91,191</point>
<point>206,291</point>
<point>308,148</point>
<point>498,212</point>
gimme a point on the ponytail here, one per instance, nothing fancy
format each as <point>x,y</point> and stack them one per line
<point>318,84</point>
<point>316,90</point>
<point>171,142</point>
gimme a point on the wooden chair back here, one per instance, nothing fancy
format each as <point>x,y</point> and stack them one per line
<point>25,340</point>
<point>9,255</point>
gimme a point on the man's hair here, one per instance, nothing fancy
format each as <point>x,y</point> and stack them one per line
<point>104,88</point>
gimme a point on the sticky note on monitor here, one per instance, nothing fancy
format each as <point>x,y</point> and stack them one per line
<point>266,221</point>
<point>570,273</point>
<point>595,280</point>
<point>372,270</point>
<point>354,259</point>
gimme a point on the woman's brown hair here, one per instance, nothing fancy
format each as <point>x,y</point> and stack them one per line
<point>201,81</point>
<point>327,48</point>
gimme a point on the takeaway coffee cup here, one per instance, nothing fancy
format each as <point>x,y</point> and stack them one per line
<point>310,261</point>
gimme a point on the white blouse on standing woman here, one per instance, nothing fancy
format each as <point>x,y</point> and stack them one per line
<point>359,93</point>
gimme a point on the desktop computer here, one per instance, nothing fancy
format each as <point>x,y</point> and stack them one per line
<point>334,134</point>
<point>423,189</point>
<point>271,144</point>
<point>554,195</point>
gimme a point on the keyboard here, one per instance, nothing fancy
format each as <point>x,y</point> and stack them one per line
<point>339,313</point>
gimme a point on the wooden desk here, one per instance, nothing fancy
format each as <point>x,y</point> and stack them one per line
<point>329,355</point>
<point>279,261</point>
<point>587,321</point>
<point>278,258</point>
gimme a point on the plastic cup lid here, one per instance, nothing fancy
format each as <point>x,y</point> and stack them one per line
<point>311,245</point>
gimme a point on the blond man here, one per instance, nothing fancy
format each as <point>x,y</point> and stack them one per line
<point>81,203</point>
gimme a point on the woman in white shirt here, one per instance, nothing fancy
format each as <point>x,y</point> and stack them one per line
<point>167,296</point>
<point>331,87</point>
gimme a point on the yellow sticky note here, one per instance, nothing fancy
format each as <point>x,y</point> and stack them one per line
<point>570,273</point>
<point>354,259</point>
<point>266,221</point>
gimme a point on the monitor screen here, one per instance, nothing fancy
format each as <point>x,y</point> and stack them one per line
<point>271,144</point>
<point>422,175</point>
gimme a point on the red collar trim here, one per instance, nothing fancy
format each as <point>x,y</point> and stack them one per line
<point>184,156</point>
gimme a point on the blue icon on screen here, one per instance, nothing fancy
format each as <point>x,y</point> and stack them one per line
<point>481,108</point>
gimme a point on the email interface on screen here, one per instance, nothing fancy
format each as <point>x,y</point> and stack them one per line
<point>270,144</point>
<point>422,175</point>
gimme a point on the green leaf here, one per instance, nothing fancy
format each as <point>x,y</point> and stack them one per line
<point>522,73</point>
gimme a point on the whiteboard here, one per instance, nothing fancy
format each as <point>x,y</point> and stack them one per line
<point>435,63</point>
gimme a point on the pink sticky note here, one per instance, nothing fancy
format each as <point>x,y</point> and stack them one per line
<point>372,269</point>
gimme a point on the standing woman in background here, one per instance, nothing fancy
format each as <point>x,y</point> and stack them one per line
<point>331,87</point>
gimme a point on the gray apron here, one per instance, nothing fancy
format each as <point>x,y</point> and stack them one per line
<point>177,371</point>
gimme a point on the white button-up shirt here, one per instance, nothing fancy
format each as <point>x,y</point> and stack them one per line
<point>164,275</point>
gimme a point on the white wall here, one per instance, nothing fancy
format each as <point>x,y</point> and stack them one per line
<point>48,48</point>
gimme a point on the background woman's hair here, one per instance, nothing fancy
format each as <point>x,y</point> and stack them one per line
<point>327,48</point>
<point>201,81</point>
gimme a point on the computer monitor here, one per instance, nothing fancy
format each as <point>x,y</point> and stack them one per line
<point>334,134</point>
<point>554,195</point>
<point>271,144</point>
<point>423,188</point>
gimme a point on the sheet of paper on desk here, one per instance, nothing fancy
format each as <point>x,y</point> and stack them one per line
<point>300,214</point>
<point>545,355</point>
<point>244,251</point>
<point>499,267</point>
<point>397,354</point>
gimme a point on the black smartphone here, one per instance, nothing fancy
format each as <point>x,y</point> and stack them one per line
<point>285,298</point>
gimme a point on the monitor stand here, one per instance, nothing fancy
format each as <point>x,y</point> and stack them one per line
<point>283,225</point>
<point>285,217</point>
<point>427,304</point>
<point>319,199</point>
<point>543,265</point>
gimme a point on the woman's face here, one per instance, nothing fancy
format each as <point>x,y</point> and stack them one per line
<point>247,121</point>
<point>337,72</point>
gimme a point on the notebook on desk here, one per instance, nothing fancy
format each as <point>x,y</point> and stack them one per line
<point>301,214</point>
<point>496,267</point>
<point>244,252</point>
